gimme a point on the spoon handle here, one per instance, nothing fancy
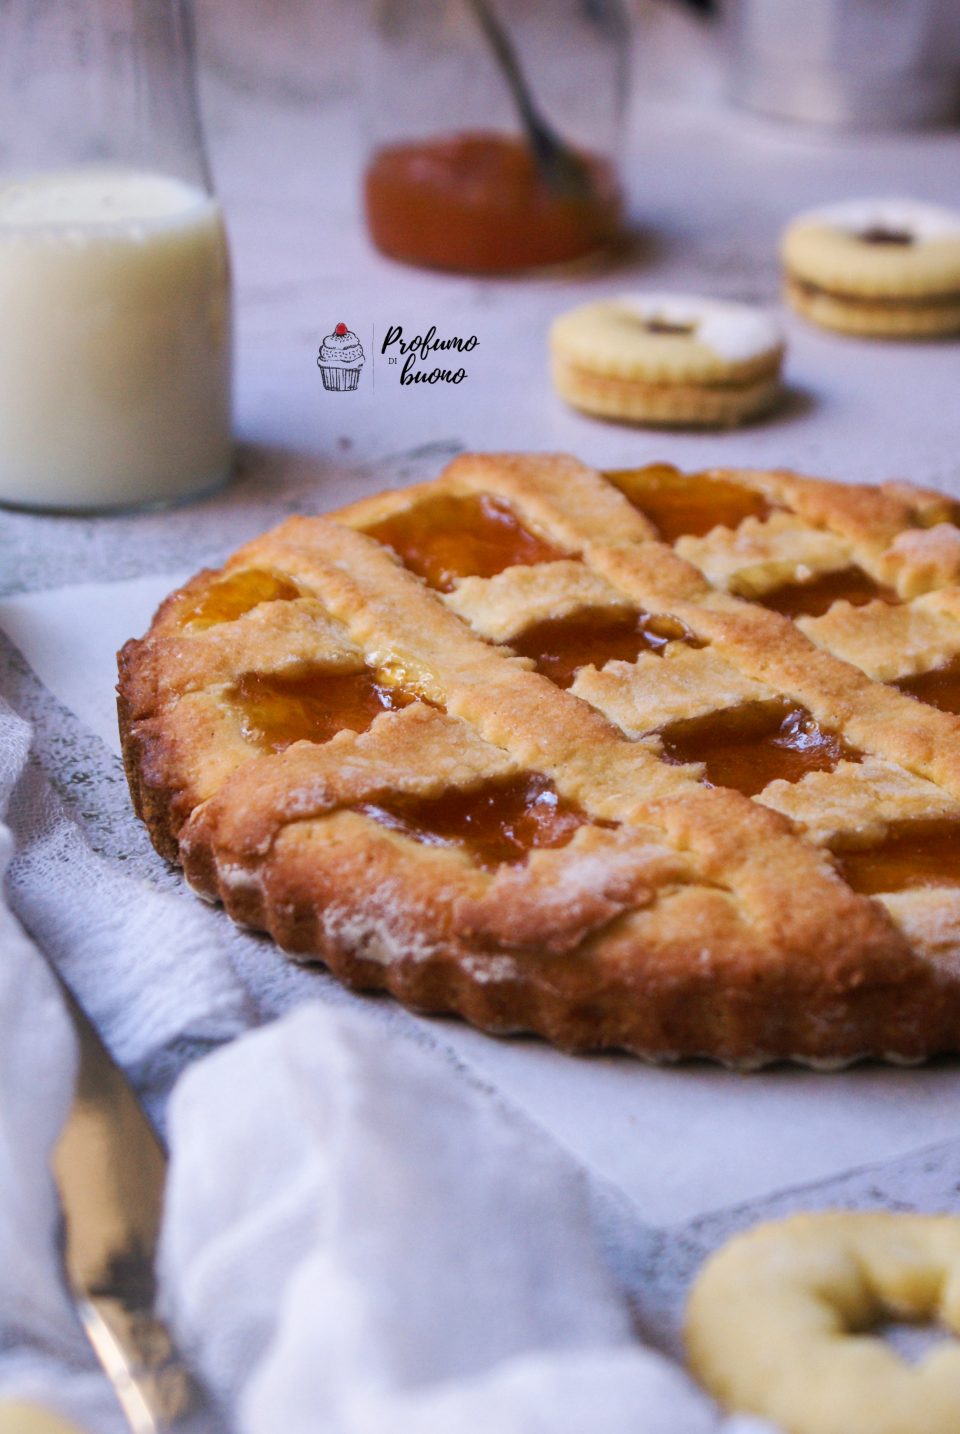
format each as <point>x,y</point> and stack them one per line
<point>508,60</point>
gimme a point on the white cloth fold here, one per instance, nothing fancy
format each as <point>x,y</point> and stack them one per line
<point>43,1352</point>
<point>357,1240</point>
<point>152,971</point>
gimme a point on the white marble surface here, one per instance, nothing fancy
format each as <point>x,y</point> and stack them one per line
<point>709,188</point>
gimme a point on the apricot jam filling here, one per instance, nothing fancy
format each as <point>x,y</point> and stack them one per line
<point>939,688</point>
<point>449,537</point>
<point>498,823</point>
<point>916,854</point>
<point>748,747</point>
<point>880,234</point>
<point>689,504</point>
<point>814,598</point>
<point>480,202</point>
<point>241,592</point>
<point>277,711</point>
<point>561,646</point>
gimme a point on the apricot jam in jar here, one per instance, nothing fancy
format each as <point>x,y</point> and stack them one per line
<point>477,203</point>
<point>454,179</point>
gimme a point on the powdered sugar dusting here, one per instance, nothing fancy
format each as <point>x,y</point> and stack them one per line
<point>487,970</point>
<point>737,332</point>
<point>236,877</point>
<point>923,222</point>
<point>374,936</point>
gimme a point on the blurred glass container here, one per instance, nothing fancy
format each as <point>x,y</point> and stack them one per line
<point>862,64</point>
<point>115,345</point>
<point>453,180</point>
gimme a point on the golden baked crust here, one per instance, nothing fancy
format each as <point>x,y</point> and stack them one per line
<point>651,910</point>
<point>667,405</point>
<point>874,317</point>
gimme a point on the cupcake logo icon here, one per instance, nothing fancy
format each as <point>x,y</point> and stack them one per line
<point>340,359</point>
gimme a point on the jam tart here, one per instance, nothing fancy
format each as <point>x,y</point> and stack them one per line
<point>641,760</point>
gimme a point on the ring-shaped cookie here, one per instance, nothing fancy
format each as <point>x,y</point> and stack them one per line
<point>779,1323</point>
<point>888,268</point>
<point>659,358</point>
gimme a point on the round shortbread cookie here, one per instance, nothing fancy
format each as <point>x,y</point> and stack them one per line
<point>890,268</point>
<point>779,1323</point>
<point>24,1418</point>
<point>667,359</point>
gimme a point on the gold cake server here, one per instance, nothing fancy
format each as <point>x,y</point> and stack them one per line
<point>110,1169</point>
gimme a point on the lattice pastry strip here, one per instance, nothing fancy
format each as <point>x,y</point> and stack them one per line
<point>888,643</point>
<point>760,557</point>
<point>556,498</point>
<point>370,791</point>
<point>504,606</point>
<point>867,518</point>
<point>618,899</point>
<point>896,539</point>
<point>905,537</point>
<point>653,692</point>
<point>744,734</point>
<point>226,680</point>
<point>919,561</point>
<point>562,618</point>
<point>410,636</point>
<point>929,919</point>
<point>770,649</point>
<point>854,806</point>
<point>675,509</point>
<point>273,638</point>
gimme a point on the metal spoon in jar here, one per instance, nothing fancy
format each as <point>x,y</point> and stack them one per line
<point>561,168</point>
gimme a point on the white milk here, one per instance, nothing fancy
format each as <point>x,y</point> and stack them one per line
<point>115,340</point>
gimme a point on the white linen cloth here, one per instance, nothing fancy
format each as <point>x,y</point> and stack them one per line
<point>43,1352</point>
<point>356,1239</point>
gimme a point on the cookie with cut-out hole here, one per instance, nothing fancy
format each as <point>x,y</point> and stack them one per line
<point>668,359</point>
<point>886,268</point>
<point>784,1322</point>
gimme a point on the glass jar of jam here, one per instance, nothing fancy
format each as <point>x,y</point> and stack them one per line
<point>494,132</point>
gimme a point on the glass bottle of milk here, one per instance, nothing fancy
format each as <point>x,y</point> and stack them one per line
<point>115,309</point>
